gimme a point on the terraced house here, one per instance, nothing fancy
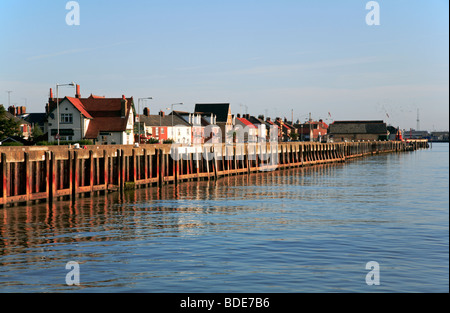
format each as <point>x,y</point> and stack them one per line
<point>104,120</point>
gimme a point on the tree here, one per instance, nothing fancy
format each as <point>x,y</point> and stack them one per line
<point>8,126</point>
<point>36,132</point>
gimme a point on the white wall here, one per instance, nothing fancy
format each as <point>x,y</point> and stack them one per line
<point>65,107</point>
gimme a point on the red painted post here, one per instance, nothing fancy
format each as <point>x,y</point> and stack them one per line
<point>106,169</point>
<point>91,171</point>
<point>27,176</point>
<point>75,176</point>
<point>5,175</point>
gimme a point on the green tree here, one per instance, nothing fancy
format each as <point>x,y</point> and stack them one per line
<point>36,132</point>
<point>8,126</point>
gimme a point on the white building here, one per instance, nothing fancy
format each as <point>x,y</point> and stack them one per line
<point>103,120</point>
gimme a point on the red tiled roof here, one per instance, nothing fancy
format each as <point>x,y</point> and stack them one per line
<point>97,97</point>
<point>105,124</point>
<point>79,105</point>
<point>107,115</point>
<point>246,122</point>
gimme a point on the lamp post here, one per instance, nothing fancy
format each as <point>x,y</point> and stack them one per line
<point>139,114</point>
<point>57,104</point>
<point>172,117</point>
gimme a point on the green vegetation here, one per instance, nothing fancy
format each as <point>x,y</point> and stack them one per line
<point>8,127</point>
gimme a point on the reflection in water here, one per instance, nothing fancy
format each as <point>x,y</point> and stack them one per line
<point>102,217</point>
<point>294,230</point>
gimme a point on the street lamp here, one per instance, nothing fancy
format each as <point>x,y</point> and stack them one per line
<point>139,114</point>
<point>57,104</point>
<point>172,117</point>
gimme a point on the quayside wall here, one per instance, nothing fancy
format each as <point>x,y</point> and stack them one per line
<point>31,174</point>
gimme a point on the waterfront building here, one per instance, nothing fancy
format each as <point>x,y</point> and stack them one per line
<point>100,119</point>
<point>312,130</point>
<point>164,127</point>
<point>223,117</point>
<point>440,136</point>
<point>245,130</point>
<point>416,134</point>
<point>262,125</point>
<point>348,131</point>
<point>201,124</point>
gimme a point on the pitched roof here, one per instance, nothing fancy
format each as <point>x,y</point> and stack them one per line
<point>105,124</point>
<point>35,118</point>
<point>166,121</point>
<point>358,127</point>
<point>219,109</point>
<point>79,105</point>
<point>105,114</point>
<point>185,115</point>
<point>245,122</point>
<point>9,116</point>
<point>96,106</point>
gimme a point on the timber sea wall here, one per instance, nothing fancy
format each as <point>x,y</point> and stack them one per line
<point>37,174</point>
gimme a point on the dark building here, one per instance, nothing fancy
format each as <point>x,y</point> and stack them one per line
<point>222,112</point>
<point>357,131</point>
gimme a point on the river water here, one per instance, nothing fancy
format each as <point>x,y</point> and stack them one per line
<point>297,230</point>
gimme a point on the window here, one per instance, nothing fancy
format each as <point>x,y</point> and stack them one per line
<point>157,131</point>
<point>66,118</point>
<point>162,131</point>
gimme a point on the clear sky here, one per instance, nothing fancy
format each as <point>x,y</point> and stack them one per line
<point>266,57</point>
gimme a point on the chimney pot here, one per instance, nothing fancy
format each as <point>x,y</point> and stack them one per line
<point>78,94</point>
<point>51,93</point>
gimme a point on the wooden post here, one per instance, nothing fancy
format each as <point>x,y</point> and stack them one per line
<point>121,168</point>
<point>52,176</point>
<point>75,176</point>
<point>133,161</point>
<point>105,169</point>
<point>27,177</point>
<point>47,176</point>
<point>91,171</point>
<point>70,173</point>
<point>5,176</point>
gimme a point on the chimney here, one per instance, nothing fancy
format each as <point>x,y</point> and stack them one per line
<point>268,119</point>
<point>146,111</point>
<point>78,94</point>
<point>12,110</point>
<point>238,115</point>
<point>51,94</point>
<point>123,109</point>
<point>161,113</point>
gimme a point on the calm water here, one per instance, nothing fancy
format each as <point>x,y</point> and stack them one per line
<point>299,230</point>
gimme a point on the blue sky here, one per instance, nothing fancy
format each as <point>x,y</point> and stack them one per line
<point>266,57</point>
